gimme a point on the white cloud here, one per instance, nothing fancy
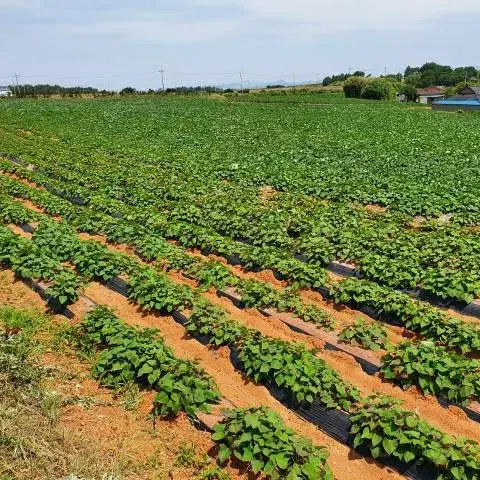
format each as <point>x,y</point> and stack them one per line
<point>330,16</point>
<point>10,4</point>
<point>152,30</point>
<point>299,21</point>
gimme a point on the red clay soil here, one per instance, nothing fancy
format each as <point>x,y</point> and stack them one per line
<point>14,293</point>
<point>239,271</point>
<point>344,316</point>
<point>18,231</point>
<point>98,417</point>
<point>22,180</point>
<point>452,420</point>
<point>115,429</point>
<point>345,463</point>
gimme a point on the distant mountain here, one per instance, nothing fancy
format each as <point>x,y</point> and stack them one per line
<point>255,85</point>
<point>249,84</point>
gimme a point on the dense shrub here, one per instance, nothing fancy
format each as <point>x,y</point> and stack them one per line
<point>378,89</point>
<point>354,86</point>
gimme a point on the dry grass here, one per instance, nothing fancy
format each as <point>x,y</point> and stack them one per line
<point>32,443</point>
<point>57,424</point>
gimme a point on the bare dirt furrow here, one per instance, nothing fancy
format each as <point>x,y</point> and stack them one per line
<point>267,275</point>
<point>345,463</point>
<point>452,420</point>
<point>97,416</point>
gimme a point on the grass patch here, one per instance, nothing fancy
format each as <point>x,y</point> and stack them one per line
<point>32,443</point>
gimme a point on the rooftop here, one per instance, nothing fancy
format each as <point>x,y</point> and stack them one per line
<point>459,102</point>
<point>471,89</point>
<point>430,91</point>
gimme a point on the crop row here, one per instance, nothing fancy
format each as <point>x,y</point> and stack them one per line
<point>419,317</point>
<point>435,378</point>
<point>132,355</point>
<point>437,258</point>
<point>30,262</point>
<point>291,368</point>
<point>279,364</point>
<point>303,151</point>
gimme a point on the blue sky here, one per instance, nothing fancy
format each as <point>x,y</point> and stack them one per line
<point>111,44</point>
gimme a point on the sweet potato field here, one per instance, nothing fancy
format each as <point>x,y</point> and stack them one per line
<point>322,263</point>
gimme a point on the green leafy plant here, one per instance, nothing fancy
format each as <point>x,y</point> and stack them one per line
<point>12,212</point>
<point>153,290</point>
<point>259,437</point>
<point>434,370</point>
<point>66,286</point>
<point>212,274</point>
<point>388,430</point>
<point>420,317</point>
<point>297,371</point>
<point>371,336</point>
<point>140,356</point>
<point>210,321</point>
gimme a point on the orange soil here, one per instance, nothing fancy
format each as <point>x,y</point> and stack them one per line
<point>240,272</point>
<point>452,420</point>
<point>375,208</point>
<point>343,316</point>
<point>345,463</point>
<point>98,416</point>
<point>22,180</point>
<point>264,275</point>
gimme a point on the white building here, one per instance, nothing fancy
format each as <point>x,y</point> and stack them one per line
<point>5,92</point>
<point>429,95</point>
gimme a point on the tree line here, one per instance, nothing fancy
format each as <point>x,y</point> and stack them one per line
<point>46,90</point>
<point>428,74</point>
<point>386,87</point>
<point>27,90</point>
<point>434,74</point>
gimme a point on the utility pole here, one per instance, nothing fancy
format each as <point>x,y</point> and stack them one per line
<point>385,70</point>
<point>16,82</point>
<point>162,71</point>
<point>241,82</point>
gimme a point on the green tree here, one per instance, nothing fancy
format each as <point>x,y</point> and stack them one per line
<point>413,79</point>
<point>379,89</point>
<point>409,91</point>
<point>128,91</point>
<point>354,86</point>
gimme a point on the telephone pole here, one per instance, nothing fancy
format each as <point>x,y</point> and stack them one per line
<point>16,83</point>
<point>241,82</point>
<point>162,71</point>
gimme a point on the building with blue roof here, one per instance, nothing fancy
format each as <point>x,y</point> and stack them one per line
<point>468,98</point>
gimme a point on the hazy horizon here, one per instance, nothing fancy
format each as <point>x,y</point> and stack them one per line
<point>107,44</point>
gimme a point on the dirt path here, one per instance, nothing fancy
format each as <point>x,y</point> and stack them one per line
<point>345,463</point>
<point>452,420</point>
<point>97,418</point>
